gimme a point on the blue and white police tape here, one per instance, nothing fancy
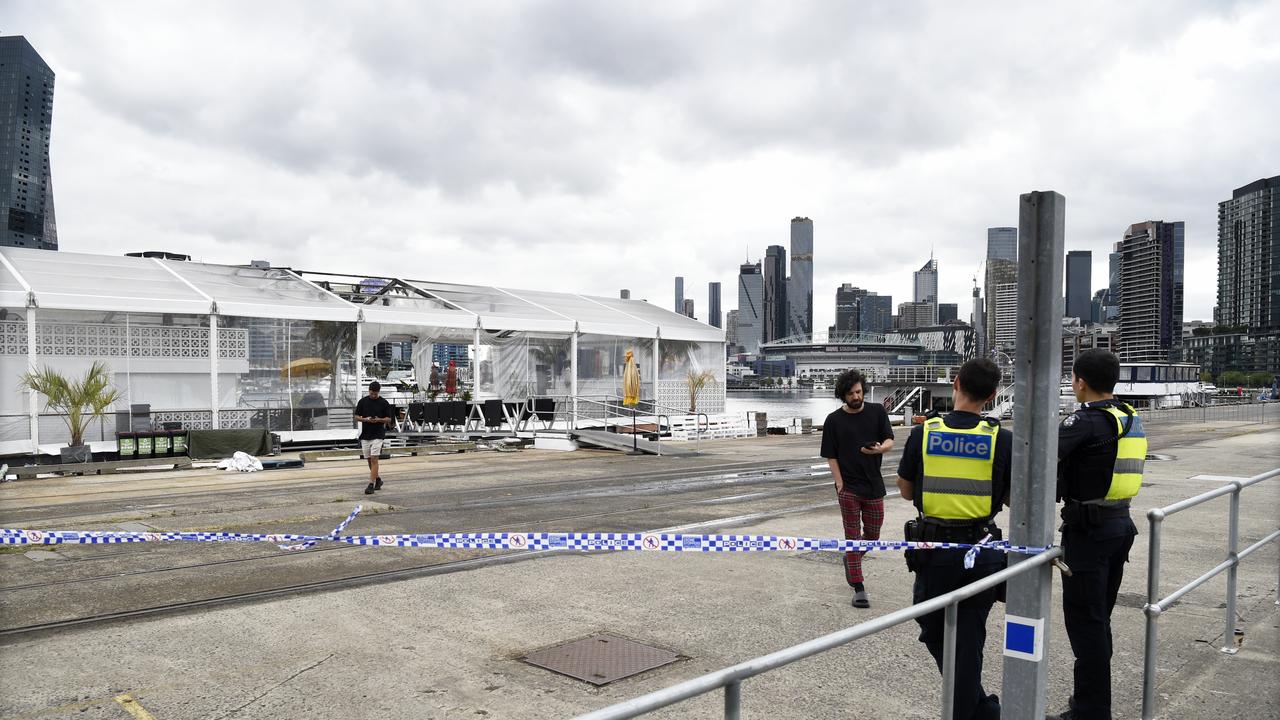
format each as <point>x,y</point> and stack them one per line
<point>580,541</point>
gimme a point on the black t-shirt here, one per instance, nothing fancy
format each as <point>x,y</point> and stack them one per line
<point>844,434</point>
<point>1087,452</point>
<point>369,407</point>
<point>911,466</point>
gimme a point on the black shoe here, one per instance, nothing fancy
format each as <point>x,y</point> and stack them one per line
<point>369,490</point>
<point>860,599</point>
<point>378,485</point>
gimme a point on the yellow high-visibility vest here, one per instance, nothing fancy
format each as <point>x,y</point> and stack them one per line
<point>1131,456</point>
<point>958,465</point>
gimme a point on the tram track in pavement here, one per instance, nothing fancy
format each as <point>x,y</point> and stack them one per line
<point>253,489</point>
<point>739,481</point>
<point>738,497</point>
<point>16,634</point>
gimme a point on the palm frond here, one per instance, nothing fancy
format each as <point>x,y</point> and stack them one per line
<point>78,401</point>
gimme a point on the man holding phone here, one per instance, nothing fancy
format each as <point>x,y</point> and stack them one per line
<point>854,440</point>
<point>374,415</point>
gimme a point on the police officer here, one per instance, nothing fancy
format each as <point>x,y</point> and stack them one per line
<point>1101,450</point>
<point>955,469</point>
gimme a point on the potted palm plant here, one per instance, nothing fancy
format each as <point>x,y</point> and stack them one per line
<point>78,401</point>
<point>697,380</point>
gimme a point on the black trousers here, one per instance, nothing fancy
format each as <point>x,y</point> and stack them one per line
<point>1096,556</point>
<point>942,572</point>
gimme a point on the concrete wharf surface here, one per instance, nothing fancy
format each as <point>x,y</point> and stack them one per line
<point>448,645</point>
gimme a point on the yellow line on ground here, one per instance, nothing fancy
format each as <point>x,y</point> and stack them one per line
<point>132,707</point>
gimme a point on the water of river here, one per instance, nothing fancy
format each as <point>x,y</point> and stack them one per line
<point>783,406</point>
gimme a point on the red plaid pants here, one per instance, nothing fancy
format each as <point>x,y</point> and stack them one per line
<point>862,521</point>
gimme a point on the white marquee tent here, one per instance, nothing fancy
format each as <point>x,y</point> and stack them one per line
<point>216,346</point>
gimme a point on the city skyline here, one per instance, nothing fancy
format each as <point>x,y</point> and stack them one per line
<point>663,153</point>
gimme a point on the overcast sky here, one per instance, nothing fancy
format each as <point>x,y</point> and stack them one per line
<point>590,146</point>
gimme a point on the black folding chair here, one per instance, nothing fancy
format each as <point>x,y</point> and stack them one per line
<point>491,410</point>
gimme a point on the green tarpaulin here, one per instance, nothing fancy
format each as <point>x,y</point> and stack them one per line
<point>219,444</point>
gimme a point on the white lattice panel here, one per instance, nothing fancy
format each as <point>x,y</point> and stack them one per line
<point>13,338</point>
<point>116,340</point>
<point>675,394</point>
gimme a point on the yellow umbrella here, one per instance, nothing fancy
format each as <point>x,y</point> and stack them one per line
<point>306,367</point>
<point>630,381</point>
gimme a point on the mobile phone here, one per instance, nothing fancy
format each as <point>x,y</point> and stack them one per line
<point>869,445</point>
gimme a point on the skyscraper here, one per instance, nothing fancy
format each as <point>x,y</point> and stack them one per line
<point>926,289</point>
<point>848,300</point>
<point>731,331</point>
<point>948,312</point>
<point>750,307</point>
<point>1004,327</point>
<point>800,284</point>
<point>1079,291</point>
<point>978,319</point>
<point>1151,291</point>
<point>1002,269</point>
<point>1249,256</point>
<point>913,315</point>
<point>775,293</point>
<point>679,304</point>
<point>875,314</point>
<point>713,304</point>
<point>26,115</point>
<point>1002,243</point>
<point>687,310</point>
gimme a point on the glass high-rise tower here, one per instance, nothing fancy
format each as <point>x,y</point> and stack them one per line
<point>1249,256</point>
<point>26,115</point>
<point>1079,288</point>
<point>800,284</point>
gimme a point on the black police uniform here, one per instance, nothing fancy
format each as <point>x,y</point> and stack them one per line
<point>1096,542</point>
<point>938,572</point>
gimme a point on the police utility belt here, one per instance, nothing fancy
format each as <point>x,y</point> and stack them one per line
<point>926,529</point>
<point>1093,512</point>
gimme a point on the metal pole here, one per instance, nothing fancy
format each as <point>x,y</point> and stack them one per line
<point>573,382</point>
<point>733,700</point>
<point>1153,616</point>
<point>949,661</point>
<point>213,371</point>
<point>1233,544</point>
<point>33,400</point>
<point>1037,378</point>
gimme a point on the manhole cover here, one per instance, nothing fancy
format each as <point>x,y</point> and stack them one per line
<point>601,659</point>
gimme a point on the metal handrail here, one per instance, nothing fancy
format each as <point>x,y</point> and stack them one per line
<point>731,678</point>
<point>1156,606</point>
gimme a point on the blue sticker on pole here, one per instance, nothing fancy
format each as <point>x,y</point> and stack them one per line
<point>1024,638</point>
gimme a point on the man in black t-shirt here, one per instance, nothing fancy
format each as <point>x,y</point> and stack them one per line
<point>854,439</point>
<point>374,415</point>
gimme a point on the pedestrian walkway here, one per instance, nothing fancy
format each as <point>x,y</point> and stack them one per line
<point>449,646</point>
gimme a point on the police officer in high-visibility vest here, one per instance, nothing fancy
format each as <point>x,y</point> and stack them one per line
<point>1101,450</point>
<point>955,469</point>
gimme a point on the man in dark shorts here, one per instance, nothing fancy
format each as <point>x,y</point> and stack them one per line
<point>854,439</point>
<point>374,415</point>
